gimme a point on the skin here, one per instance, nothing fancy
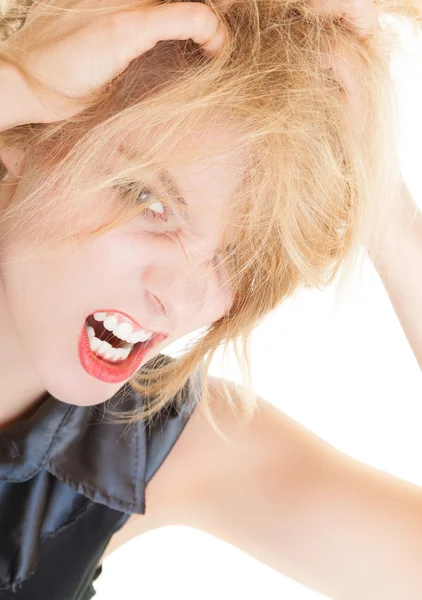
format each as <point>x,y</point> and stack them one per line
<point>128,269</point>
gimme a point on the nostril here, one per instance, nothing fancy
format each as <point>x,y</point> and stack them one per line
<point>155,303</point>
<point>160,305</point>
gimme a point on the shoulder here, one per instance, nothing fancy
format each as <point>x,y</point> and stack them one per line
<point>203,464</point>
<point>204,469</point>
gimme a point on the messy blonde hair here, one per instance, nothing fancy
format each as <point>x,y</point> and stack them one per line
<point>312,191</point>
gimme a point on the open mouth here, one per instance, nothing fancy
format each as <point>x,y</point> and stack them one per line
<point>111,349</point>
<point>106,346</point>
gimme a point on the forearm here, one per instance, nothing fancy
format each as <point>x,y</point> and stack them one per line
<point>399,264</point>
<point>15,98</point>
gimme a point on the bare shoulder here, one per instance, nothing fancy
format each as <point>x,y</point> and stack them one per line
<point>202,465</point>
<point>200,455</point>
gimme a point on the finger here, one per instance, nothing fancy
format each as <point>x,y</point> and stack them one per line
<point>359,15</point>
<point>347,75</point>
<point>362,15</point>
<point>178,21</point>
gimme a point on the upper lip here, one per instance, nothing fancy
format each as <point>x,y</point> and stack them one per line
<point>132,320</point>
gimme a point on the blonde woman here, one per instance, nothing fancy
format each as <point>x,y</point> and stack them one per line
<point>176,167</point>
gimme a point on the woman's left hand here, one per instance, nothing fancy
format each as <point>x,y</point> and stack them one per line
<point>360,15</point>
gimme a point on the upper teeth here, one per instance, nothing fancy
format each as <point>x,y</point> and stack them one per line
<point>124,330</point>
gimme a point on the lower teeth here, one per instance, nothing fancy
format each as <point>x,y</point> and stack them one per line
<point>106,351</point>
<point>112,355</point>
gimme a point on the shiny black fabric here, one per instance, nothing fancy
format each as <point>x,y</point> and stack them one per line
<point>69,479</point>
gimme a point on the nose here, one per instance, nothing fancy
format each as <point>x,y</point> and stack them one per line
<point>176,290</point>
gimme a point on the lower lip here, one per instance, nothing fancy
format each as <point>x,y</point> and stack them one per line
<point>120,371</point>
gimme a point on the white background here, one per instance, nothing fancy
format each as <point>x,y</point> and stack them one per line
<point>344,369</point>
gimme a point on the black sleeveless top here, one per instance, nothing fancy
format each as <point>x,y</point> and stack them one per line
<point>68,481</point>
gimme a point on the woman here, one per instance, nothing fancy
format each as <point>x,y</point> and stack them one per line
<point>200,184</point>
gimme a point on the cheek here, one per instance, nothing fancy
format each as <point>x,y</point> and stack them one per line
<point>41,297</point>
<point>48,296</point>
<point>218,302</point>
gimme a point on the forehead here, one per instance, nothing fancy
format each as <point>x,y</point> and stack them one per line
<point>209,179</point>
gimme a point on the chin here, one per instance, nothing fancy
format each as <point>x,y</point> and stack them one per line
<point>69,383</point>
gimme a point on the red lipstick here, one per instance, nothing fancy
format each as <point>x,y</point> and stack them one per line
<point>117,372</point>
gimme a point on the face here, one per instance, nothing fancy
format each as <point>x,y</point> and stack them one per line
<point>137,273</point>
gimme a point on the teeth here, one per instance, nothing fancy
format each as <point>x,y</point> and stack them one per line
<point>106,350</point>
<point>104,347</point>
<point>139,336</point>
<point>110,323</point>
<point>99,316</point>
<point>95,343</point>
<point>123,331</point>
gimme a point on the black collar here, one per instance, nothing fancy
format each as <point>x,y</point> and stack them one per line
<point>109,463</point>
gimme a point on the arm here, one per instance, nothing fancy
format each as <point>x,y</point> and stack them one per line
<point>399,264</point>
<point>287,498</point>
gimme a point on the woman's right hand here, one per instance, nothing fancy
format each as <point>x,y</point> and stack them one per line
<point>87,56</point>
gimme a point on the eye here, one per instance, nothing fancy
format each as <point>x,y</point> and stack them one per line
<point>157,207</point>
<point>154,208</point>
